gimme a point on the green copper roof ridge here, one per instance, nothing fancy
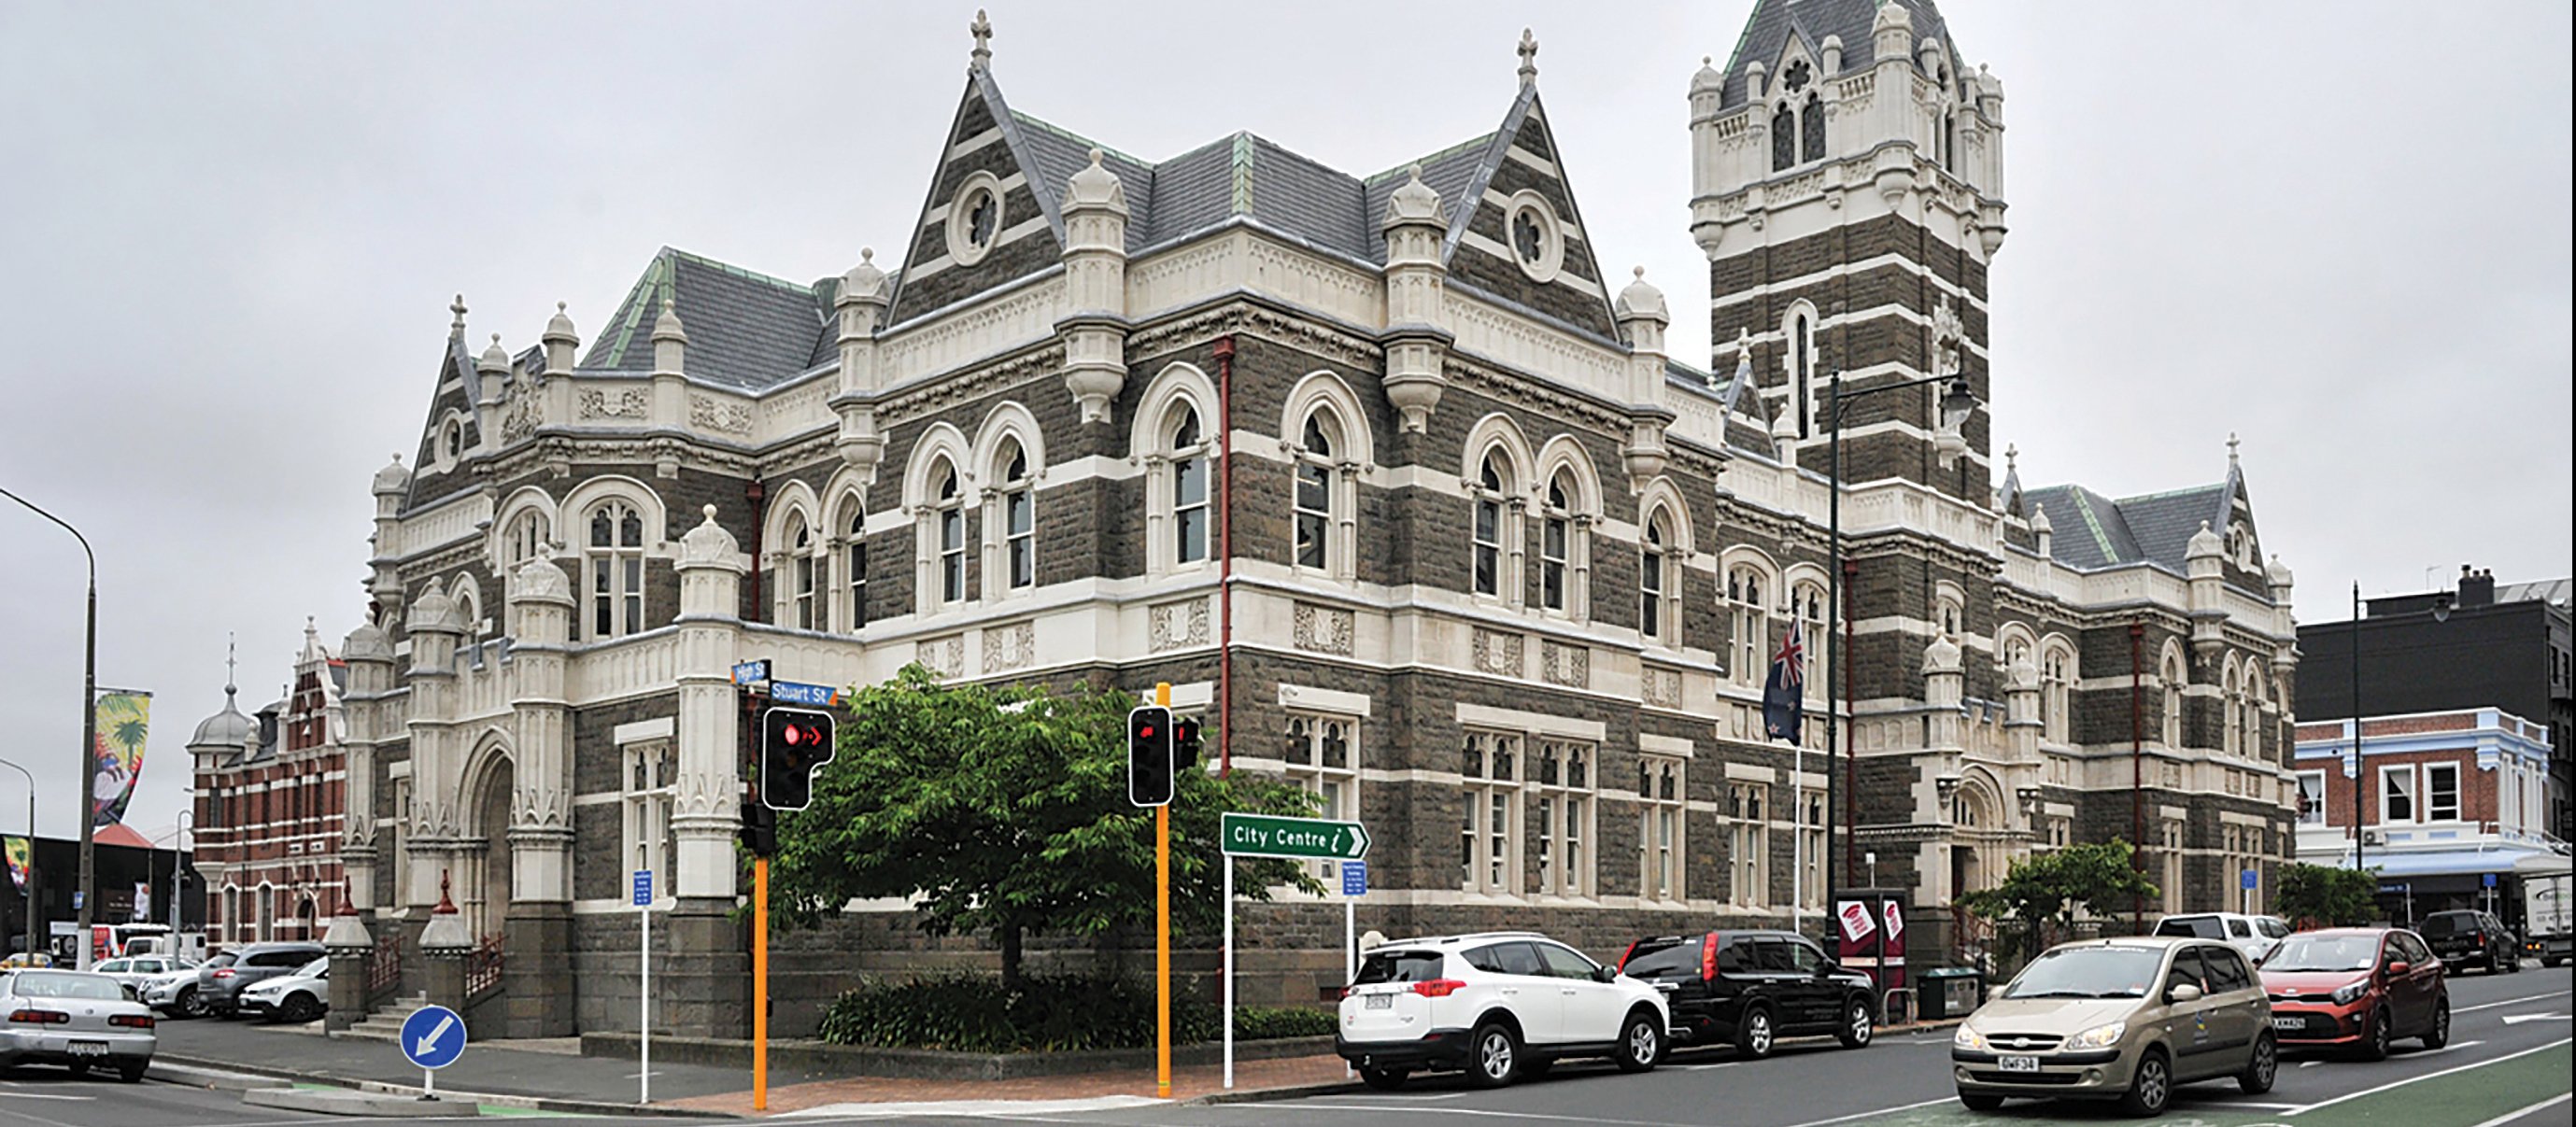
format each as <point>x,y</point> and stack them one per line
<point>2101,536</point>
<point>1242,162</point>
<point>1479,141</point>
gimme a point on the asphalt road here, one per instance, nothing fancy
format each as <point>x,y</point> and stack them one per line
<point>2509,1059</point>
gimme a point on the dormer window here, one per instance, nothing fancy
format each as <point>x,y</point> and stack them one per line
<point>1796,76</point>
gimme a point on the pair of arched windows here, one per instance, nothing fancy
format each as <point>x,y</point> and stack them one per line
<point>1008,559</point>
<point>613,567</point>
<point>1496,566</point>
<point>810,600</point>
<point>1797,131</point>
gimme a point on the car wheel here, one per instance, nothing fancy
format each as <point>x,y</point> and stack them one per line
<point>190,1004</point>
<point>1980,1101</point>
<point>300,1008</point>
<point>1494,1055</point>
<point>1383,1079</point>
<point>2374,1045</point>
<point>2151,1086</point>
<point>2491,962</point>
<point>132,1071</point>
<point>1859,1025</point>
<point>1753,1038</point>
<point>2440,1034</point>
<point>2513,965</point>
<point>2258,1074</point>
<point>1641,1042</point>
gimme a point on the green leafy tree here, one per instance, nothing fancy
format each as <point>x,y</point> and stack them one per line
<point>2053,887</point>
<point>2330,896</point>
<point>1002,810</point>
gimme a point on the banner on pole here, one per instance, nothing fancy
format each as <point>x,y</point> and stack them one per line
<point>21,852</point>
<point>124,719</point>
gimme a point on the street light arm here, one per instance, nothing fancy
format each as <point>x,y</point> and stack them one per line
<point>1841,392</point>
<point>76,534</point>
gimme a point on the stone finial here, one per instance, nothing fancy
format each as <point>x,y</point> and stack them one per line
<point>1784,425</point>
<point>2012,459</point>
<point>1707,80</point>
<point>2278,574</point>
<point>1942,656</point>
<point>1414,201</point>
<point>2040,523</point>
<point>559,327</point>
<point>709,543</point>
<point>1640,299</point>
<point>539,578</point>
<point>1743,359</point>
<point>2022,676</point>
<point>367,643</point>
<point>982,30</point>
<point>436,613</point>
<point>495,359</point>
<point>1097,187</point>
<point>667,326</point>
<point>2204,543</point>
<point>2231,449</point>
<point>1529,58</point>
<point>865,281</point>
<point>393,478</point>
<point>1892,15</point>
<point>456,327</point>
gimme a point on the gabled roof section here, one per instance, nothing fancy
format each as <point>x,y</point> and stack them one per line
<point>2092,531</point>
<point>986,137</point>
<point>1773,22</point>
<point>1522,156</point>
<point>747,330</point>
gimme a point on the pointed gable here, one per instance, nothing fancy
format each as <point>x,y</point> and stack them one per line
<point>1522,239</point>
<point>991,217</point>
<point>1774,24</point>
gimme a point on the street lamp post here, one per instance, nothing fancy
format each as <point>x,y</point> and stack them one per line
<point>83,892</point>
<point>1957,403</point>
<point>32,887</point>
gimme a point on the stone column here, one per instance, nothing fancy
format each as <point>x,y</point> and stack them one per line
<point>370,660</point>
<point>353,952</point>
<point>537,932</point>
<point>446,945</point>
<point>1095,269</point>
<point>706,988</point>
<point>437,767</point>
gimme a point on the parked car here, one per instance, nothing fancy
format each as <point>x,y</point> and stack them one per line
<point>1750,988</point>
<point>1500,1006</point>
<point>2357,987</point>
<point>2470,938</point>
<point>24,959</point>
<point>136,970</point>
<point>174,993</point>
<point>220,983</point>
<point>295,998</point>
<point>2254,935</point>
<point>74,1018</point>
<point>2120,1019</point>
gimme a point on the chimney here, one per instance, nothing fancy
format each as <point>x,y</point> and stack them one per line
<point>2477,588</point>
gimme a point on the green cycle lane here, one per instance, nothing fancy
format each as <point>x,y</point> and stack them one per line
<point>2471,1094</point>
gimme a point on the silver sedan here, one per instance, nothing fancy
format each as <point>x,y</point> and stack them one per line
<point>74,1018</point>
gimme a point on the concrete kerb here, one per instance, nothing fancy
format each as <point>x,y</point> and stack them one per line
<point>496,1099</point>
<point>371,1105</point>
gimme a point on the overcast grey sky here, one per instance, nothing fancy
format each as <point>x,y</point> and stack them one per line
<point>229,235</point>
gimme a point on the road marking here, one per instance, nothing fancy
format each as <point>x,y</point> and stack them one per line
<point>2507,1002</point>
<point>2543,1105</point>
<point>2428,1076</point>
<point>1878,1112</point>
<point>2435,1052</point>
<point>43,1096</point>
<point>2517,1019</point>
<point>1403,1107</point>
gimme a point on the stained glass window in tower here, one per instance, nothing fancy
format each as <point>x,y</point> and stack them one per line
<point>1784,138</point>
<point>1811,130</point>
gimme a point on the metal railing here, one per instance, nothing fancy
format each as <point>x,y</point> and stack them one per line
<point>483,968</point>
<point>384,970</point>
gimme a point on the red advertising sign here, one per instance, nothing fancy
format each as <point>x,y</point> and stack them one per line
<point>1871,935</point>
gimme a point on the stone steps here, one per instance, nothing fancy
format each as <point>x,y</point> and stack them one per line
<point>384,1023</point>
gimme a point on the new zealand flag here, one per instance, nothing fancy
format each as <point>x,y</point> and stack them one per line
<point>1786,688</point>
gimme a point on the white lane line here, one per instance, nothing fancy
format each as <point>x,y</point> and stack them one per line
<point>2543,1105</point>
<point>1877,1112</point>
<point>42,1096</point>
<point>2435,1052</point>
<point>2506,1002</point>
<point>2427,1076</point>
<point>1411,1108</point>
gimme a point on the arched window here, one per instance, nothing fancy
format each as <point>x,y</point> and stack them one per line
<point>1189,472</point>
<point>1950,141</point>
<point>526,532</point>
<point>2253,711</point>
<point>854,567</point>
<point>1015,510</point>
<point>1493,494</point>
<point>2173,679</point>
<point>949,514</point>
<point>802,565</point>
<point>1807,601</point>
<point>1556,542</point>
<point>1784,138</point>
<point>1314,502</point>
<point>2231,706</point>
<point>1811,130</point>
<point>616,550</point>
<point>1654,608</point>
<point>2056,679</point>
<point>1748,595</point>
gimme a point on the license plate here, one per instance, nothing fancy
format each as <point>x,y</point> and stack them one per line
<point>87,1048</point>
<point>2017,1064</point>
<point>1380,1002</point>
<point>2290,1024</point>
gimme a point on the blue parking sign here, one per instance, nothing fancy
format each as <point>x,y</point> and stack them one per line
<point>1354,878</point>
<point>2490,880</point>
<point>643,888</point>
<point>2246,879</point>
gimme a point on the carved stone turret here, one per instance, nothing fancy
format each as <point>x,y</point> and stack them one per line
<point>1417,280</point>
<point>865,290</point>
<point>1095,267</point>
<point>1642,317</point>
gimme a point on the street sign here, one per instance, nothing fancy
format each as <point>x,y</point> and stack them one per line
<point>432,1037</point>
<point>1263,835</point>
<point>751,672</point>
<point>2490,882</point>
<point>1354,878</point>
<point>643,888</point>
<point>795,692</point>
<point>2245,879</point>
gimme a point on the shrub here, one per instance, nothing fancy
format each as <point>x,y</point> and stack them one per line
<point>972,1013</point>
<point>1266,1023</point>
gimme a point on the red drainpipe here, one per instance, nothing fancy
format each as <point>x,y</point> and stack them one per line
<point>1225,557</point>
<point>754,493</point>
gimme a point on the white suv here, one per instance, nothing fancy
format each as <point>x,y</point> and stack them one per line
<point>2256,936</point>
<point>1500,1005</point>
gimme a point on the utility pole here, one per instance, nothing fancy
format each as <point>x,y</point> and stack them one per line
<point>86,892</point>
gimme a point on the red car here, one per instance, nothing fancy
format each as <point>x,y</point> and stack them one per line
<point>2357,988</point>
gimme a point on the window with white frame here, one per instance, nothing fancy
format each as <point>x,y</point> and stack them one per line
<point>527,531</point>
<point>1660,811</point>
<point>1323,759</point>
<point>2441,792</point>
<point>1556,547</point>
<point>616,569</point>
<point>2169,839</point>
<point>1493,500</point>
<point>854,569</point>
<point>2312,798</point>
<point>803,601</point>
<point>2253,711</point>
<point>1016,507</point>
<point>2397,794</point>
<point>1807,601</point>
<point>652,772</point>
<point>1189,484</point>
<point>1947,613</point>
<point>1316,510</point>
<point>2231,719</point>
<point>1565,791</point>
<point>2056,676</point>
<point>2173,678</point>
<point>1748,839</point>
<point>1490,831</point>
<point>1811,857</point>
<point>949,513</point>
<point>1655,574</point>
<point>1748,598</point>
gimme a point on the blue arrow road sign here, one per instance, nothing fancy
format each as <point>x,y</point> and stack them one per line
<point>1354,878</point>
<point>643,888</point>
<point>2246,877</point>
<point>797,692</point>
<point>433,1037</point>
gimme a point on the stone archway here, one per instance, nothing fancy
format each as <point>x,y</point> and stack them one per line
<point>485,891</point>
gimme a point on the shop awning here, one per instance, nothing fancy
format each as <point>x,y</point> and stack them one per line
<point>2448,862</point>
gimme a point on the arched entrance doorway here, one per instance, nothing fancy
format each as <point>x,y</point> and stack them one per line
<point>484,890</point>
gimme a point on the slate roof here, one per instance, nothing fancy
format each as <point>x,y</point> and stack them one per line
<point>2542,591</point>
<point>746,330</point>
<point>2091,531</point>
<point>1767,32</point>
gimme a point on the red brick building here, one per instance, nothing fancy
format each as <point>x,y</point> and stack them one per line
<point>2447,799</point>
<point>271,807</point>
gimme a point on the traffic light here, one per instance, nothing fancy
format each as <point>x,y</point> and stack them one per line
<point>793,743</point>
<point>1185,743</point>
<point>1149,755</point>
<point>759,832</point>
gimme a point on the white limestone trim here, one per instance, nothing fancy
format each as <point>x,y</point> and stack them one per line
<point>1191,697</point>
<point>1534,723</point>
<point>1009,235</point>
<point>2058,809</point>
<point>1747,772</point>
<point>973,143</point>
<point>1675,746</point>
<point>1842,270</point>
<point>2232,818</point>
<point>603,798</point>
<point>1557,277</point>
<point>662,727</point>
<point>1533,160</point>
<point>1309,698</point>
<point>398,769</point>
<point>2172,813</point>
<point>1497,198</point>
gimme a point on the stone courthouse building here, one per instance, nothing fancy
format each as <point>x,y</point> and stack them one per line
<point>1387,475</point>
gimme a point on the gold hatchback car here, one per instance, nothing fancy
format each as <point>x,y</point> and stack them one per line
<point>2118,1019</point>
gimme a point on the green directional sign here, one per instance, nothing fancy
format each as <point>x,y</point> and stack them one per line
<point>1262,835</point>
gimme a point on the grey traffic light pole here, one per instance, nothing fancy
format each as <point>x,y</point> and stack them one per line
<point>82,892</point>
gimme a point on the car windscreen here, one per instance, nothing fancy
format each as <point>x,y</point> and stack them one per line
<point>2440,924</point>
<point>226,959</point>
<point>315,969</point>
<point>1399,966</point>
<point>59,984</point>
<point>2089,972</point>
<point>2323,953</point>
<point>1664,959</point>
<point>2192,927</point>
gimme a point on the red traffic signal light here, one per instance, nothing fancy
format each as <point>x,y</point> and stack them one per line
<point>794,743</point>
<point>1149,755</point>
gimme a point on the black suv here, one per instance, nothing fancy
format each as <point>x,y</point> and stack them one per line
<point>1751,988</point>
<point>219,984</point>
<point>2463,938</point>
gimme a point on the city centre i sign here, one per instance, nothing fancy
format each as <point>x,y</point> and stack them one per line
<point>1262,835</point>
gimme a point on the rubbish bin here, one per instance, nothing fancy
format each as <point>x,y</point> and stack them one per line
<point>1949,993</point>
